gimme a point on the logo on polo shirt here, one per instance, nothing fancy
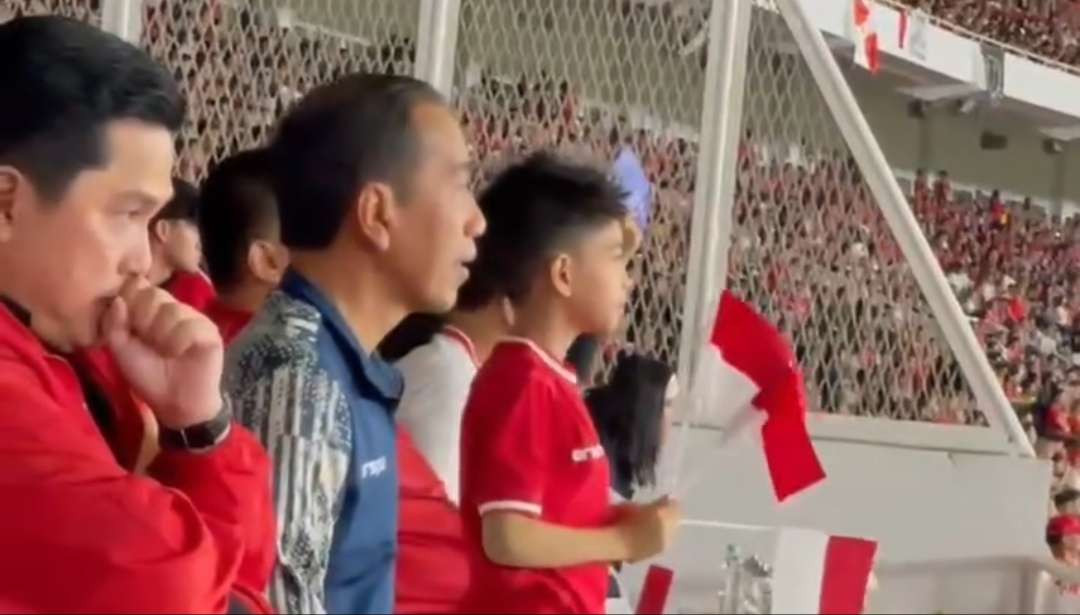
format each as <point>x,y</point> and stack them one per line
<point>373,468</point>
<point>580,455</point>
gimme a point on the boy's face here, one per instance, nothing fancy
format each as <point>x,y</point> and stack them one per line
<point>181,244</point>
<point>599,282</point>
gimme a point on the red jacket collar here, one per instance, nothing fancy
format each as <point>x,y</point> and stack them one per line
<point>17,341</point>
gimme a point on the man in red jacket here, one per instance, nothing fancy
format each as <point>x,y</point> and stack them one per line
<point>86,149</point>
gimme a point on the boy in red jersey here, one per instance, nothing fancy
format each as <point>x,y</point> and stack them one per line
<point>535,481</point>
<point>177,249</point>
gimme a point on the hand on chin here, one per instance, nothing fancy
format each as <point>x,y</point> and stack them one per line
<point>169,353</point>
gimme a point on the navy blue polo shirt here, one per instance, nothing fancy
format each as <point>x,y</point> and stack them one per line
<point>323,407</point>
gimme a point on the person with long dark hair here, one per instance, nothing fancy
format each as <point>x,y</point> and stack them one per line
<point>630,413</point>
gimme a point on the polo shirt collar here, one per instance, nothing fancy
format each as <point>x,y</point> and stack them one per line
<point>379,374</point>
<point>559,368</point>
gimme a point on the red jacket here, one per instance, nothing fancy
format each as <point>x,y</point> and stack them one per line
<point>80,532</point>
<point>432,564</point>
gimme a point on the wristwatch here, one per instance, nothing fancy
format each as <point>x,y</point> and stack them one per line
<point>200,437</point>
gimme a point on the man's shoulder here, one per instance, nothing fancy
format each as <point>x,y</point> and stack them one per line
<point>285,333</point>
<point>512,376</point>
<point>276,380</point>
<point>439,358</point>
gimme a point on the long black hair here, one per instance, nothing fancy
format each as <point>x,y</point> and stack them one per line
<point>415,331</point>
<point>628,413</point>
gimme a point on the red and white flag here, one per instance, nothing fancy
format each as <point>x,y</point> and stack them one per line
<point>748,381</point>
<point>867,50</point>
<point>818,573</point>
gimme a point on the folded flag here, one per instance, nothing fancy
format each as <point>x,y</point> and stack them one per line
<point>631,177</point>
<point>748,381</point>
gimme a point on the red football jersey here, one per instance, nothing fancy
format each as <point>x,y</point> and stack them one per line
<point>528,444</point>
<point>433,562</point>
<point>230,321</point>
<point>193,289</point>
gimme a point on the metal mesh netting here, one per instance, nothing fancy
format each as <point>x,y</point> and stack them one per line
<point>811,249</point>
<point>241,63</point>
<point>83,10</point>
<point>589,78</point>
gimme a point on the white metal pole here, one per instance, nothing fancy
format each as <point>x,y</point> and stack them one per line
<point>710,226</point>
<point>436,43</point>
<point>905,228</point>
<point>123,18</point>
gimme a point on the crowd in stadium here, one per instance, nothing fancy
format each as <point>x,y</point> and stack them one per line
<point>1047,28</point>
<point>1015,270</point>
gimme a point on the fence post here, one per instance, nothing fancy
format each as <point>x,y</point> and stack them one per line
<point>436,43</point>
<point>123,18</point>
<point>710,225</point>
<point>894,207</point>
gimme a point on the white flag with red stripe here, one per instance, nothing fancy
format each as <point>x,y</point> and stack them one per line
<point>867,49</point>
<point>818,573</point>
<point>748,382</point>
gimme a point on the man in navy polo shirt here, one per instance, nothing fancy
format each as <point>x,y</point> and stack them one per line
<point>372,177</point>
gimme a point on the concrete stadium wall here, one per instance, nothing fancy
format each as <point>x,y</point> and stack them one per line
<point>950,526</point>
<point>945,140</point>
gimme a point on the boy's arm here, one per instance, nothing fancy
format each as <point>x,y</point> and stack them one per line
<point>517,540</point>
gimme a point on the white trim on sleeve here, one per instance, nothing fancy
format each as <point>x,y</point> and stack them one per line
<point>510,505</point>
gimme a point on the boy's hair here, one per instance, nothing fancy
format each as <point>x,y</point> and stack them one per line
<point>237,207</point>
<point>184,204</point>
<point>62,82</point>
<point>534,208</point>
<point>340,137</point>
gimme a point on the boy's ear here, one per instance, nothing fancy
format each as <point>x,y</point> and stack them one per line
<point>560,272</point>
<point>160,229</point>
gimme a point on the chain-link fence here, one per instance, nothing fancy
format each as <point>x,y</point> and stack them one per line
<point>83,10</point>
<point>811,249</point>
<point>594,79</point>
<point>589,78</point>
<point>241,63</point>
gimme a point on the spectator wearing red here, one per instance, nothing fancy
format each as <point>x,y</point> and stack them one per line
<point>177,248</point>
<point>1018,306</point>
<point>86,149</point>
<point>241,239</point>
<point>943,188</point>
<point>921,188</point>
<point>535,481</point>
<point>1063,537</point>
<point>433,570</point>
<point>999,215</point>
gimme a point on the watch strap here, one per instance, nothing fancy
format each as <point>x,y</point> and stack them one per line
<point>200,436</point>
